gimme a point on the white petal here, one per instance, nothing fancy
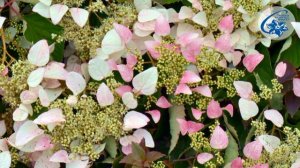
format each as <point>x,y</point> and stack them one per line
<point>129,100</point>
<point>200,18</point>
<point>142,4</point>
<point>269,142</point>
<point>5,159</point>
<point>274,116</point>
<point>104,95</point>
<point>145,82</point>
<point>112,42</point>
<point>46,2</point>
<point>2,19</point>
<point>146,15</point>
<point>36,77</point>
<point>80,16</point>
<point>96,72</point>
<point>135,120</point>
<point>57,11</point>
<point>27,132</point>
<point>75,82</point>
<point>296,26</point>
<point>39,53</point>
<point>42,9</point>
<point>144,134</point>
<point>248,108</point>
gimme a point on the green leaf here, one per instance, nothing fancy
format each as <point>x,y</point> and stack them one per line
<point>232,150</point>
<point>285,46</point>
<point>230,128</point>
<point>39,28</point>
<point>111,146</point>
<point>175,113</point>
<point>292,54</point>
<point>264,72</point>
<point>277,101</point>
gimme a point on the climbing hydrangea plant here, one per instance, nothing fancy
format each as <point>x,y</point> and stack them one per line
<point>148,84</point>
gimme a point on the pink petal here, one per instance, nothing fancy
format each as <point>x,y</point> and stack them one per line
<point>182,125</point>
<point>223,43</point>
<point>52,116</point>
<point>214,110</point>
<point>186,38</point>
<point>127,149</point>
<point>204,90</point>
<point>151,45</point>
<point>51,83</point>
<point>131,61</point>
<point>227,5</point>
<point>104,95</point>
<point>43,143</point>
<point>252,60</point>
<point>280,69</point>
<point>197,113</point>
<point>296,86</point>
<point>28,97</point>
<point>162,26</point>
<point>226,24</point>
<point>184,89</point>
<point>112,64</point>
<point>126,72</point>
<point>274,116</point>
<point>163,102</point>
<point>194,127</point>
<point>196,4</point>
<point>219,139</point>
<point>190,77</point>
<point>123,89</point>
<point>192,50</point>
<point>4,72</point>
<point>244,89</point>
<point>60,157</point>
<point>229,108</point>
<point>237,163</point>
<point>204,157</point>
<point>155,114</point>
<point>55,70</point>
<point>253,150</point>
<point>124,32</point>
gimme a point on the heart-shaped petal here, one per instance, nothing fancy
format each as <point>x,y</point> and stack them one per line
<point>252,60</point>
<point>274,116</point>
<point>104,95</point>
<point>204,157</point>
<point>214,109</point>
<point>140,120</point>
<point>219,138</point>
<point>253,150</point>
<point>248,108</point>
<point>39,53</point>
<point>53,116</point>
<point>80,16</point>
<point>75,82</point>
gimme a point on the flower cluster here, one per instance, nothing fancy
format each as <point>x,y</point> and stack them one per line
<point>144,83</point>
